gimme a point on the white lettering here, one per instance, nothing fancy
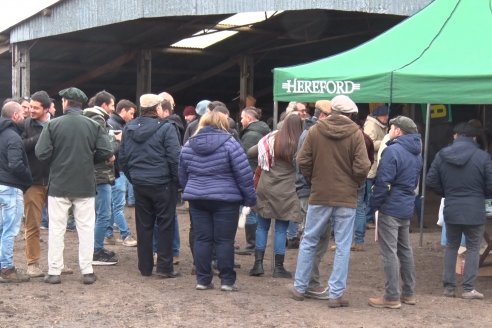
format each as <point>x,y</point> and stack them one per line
<point>329,87</point>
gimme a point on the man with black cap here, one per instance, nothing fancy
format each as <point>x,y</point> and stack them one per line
<point>462,173</point>
<point>71,144</point>
<point>149,156</point>
<point>393,196</point>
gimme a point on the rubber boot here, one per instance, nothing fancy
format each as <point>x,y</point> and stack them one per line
<point>258,267</point>
<point>279,270</point>
<point>250,232</point>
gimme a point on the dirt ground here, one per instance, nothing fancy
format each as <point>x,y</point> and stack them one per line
<point>123,298</point>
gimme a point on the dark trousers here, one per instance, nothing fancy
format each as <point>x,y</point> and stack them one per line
<point>155,205</point>
<point>214,225</point>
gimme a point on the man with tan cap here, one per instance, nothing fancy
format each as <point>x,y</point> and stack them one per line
<point>71,144</point>
<point>148,156</point>
<point>334,154</point>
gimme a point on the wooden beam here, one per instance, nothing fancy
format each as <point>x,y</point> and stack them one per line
<point>98,71</point>
<point>144,73</point>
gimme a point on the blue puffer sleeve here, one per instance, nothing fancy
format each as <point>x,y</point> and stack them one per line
<point>242,172</point>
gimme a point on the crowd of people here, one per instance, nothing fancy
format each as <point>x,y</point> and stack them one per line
<point>316,176</point>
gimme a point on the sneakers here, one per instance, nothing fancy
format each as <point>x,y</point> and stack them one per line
<point>43,227</point>
<point>296,295</point>
<point>337,302</point>
<point>129,241</point>
<point>408,299</point>
<point>229,288</point>
<point>109,240</point>
<point>104,257</point>
<point>67,270</point>
<point>89,278</point>
<point>381,302</point>
<point>52,279</point>
<point>34,271</point>
<point>204,287</point>
<point>472,295</point>
<point>449,292</point>
<point>318,293</point>
<point>13,275</point>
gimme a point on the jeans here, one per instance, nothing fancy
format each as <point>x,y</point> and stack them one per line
<point>176,239</point>
<point>396,250</point>
<point>155,204</point>
<point>262,234</point>
<point>44,216</point>
<point>103,214</point>
<point>34,201</point>
<point>292,230</point>
<point>251,217</point>
<point>85,217</point>
<point>318,219</point>
<point>369,212</point>
<point>360,216</point>
<point>215,225</point>
<point>130,197</point>
<point>473,236</point>
<point>11,211</point>
<point>118,192</point>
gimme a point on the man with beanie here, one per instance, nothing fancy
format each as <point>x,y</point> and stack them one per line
<point>462,173</point>
<point>393,196</point>
<point>334,154</point>
<point>253,131</point>
<point>201,109</point>
<point>72,144</point>
<point>189,114</point>
<point>375,127</point>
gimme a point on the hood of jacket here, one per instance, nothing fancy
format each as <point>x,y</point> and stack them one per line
<point>208,140</point>
<point>6,123</point>
<point>142,128</point>
<point>258,126</point>
<point>376,121</point>
<point>460,151</point>
<point>411,142</point>
<point>337,126</point>
<point>96,111</point>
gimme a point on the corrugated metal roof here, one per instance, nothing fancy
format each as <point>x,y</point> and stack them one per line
<point>75,15</point>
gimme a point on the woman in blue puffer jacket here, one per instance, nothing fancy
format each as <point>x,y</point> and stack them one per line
<point>217,179</point>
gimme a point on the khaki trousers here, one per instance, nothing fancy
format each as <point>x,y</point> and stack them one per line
<point>34,200</point>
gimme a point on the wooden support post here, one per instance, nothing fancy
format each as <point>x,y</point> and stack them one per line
<point>246,79</point>
<point>21,70</point>
<point>144,73</point>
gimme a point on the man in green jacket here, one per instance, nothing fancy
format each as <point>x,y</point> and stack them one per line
<point>71,144</point>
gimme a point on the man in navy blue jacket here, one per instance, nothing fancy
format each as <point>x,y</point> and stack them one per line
<point>149,155</point>
<point>393,196</point>
<point>462,173</point>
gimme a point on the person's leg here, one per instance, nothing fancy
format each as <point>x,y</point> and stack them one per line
<point>262,233</point>
<point>473,235</point>
<point>292,230</point>
<point>155,236</point>
<point>145,215</point>
<point>250,234</point>
<point>405,255</point>
<point>34,200</point>
<point>225,219</point>
<point>58,213</point>
<point>343,225</point>
<point>84,213</point>
<point>103,213</point>
<point>279,249</point>
<point>165,204</point>
<point>118,192</point>
<point>360,217</point>
<point>45,219</point>
<point>203,231</point>
<point>388,243</point>
<point>130,200</point>
<point>12,207</point>
<point>317,219</point>
<point>453,236</point>
<point>314,281</point>
<point>369,212</point>
<point>176,239</point>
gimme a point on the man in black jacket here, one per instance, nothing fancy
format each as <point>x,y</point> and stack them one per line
<point>36,196</point>
<point>15,177</point>
<point>462,174</point>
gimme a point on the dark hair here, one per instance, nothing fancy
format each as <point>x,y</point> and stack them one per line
<point>221,109</point>
<point>73,103</point>
<point>149,111</point>
<point>287,138</point>
<point>214,104</point>
<point>166,105</point>
<point>43,98</point>
<point>124,103</point>
<point>103,97</point>
<point>466,129</point>
<point>253,112</point>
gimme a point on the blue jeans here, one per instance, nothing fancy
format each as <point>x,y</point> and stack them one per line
<point>11,211</point>
<point>44,217</point>
<point>214,226</point>
<point>251,217</point>
<point>369,212</point>
<point>176,239</point>
<point>293,230</point>
<point>317,219</point>
<point>118,192</point>
<point>130,200</point>
<point>360,216</point>
<point>262,234</point>
<point>103,214</point>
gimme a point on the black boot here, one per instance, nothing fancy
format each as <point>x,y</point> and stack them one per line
<point>279,270</point>
<point>258,267</point>
<point>250,231</point>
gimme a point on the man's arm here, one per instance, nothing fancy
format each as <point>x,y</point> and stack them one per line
<point>384,179</point>
<point>44,147</point>
<point>305,158</point>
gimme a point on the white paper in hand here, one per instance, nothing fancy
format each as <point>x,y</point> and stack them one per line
<point>242,217</point>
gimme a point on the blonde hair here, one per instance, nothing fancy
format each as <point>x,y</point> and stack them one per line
<point>215,119</point>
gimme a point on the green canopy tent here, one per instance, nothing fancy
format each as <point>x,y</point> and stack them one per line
<point>442,54</point>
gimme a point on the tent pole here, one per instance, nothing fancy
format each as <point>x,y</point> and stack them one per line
<point>275,114</point>
<point>424,173</point>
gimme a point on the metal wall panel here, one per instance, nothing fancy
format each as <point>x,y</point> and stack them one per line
<point>74,15</point>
